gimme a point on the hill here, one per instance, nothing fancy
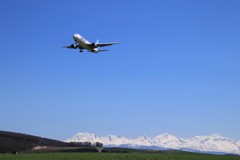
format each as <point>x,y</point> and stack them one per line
<point>11,141</point>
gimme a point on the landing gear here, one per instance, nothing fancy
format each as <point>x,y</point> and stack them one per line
<point>80,50</point>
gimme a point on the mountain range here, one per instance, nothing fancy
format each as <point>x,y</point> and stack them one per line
<point>205,144</point>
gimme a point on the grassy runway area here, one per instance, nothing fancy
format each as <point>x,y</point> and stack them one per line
<point>115,156</point>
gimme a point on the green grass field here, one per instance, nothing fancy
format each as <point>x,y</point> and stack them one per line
<point>115,156</point>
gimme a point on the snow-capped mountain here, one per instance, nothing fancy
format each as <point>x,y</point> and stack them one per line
<point>209,144</point>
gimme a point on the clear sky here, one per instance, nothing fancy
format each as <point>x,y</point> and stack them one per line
<point>177,69</point>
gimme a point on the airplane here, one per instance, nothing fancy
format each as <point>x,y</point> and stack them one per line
<point>81,44</point>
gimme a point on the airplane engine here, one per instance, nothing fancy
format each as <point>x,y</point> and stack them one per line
<point>73,46</point>
<point>94,45</point>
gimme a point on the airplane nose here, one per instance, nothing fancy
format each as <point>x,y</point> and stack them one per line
<point>75,35</point>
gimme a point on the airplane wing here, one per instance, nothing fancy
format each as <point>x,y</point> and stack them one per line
<point>71,46</point>
<point>102,50</point>
<point>106,44</point>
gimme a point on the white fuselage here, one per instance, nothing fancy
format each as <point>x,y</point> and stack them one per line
<point>82,42</point>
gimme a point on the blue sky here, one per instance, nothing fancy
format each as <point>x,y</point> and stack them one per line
<point>176,70</point>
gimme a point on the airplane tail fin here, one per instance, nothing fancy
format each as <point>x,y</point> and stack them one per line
<point>100,50</point>
<point>97,41</point>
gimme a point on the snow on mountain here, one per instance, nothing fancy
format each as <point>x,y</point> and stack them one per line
<point>167,141</point>
<point>210,144</point>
